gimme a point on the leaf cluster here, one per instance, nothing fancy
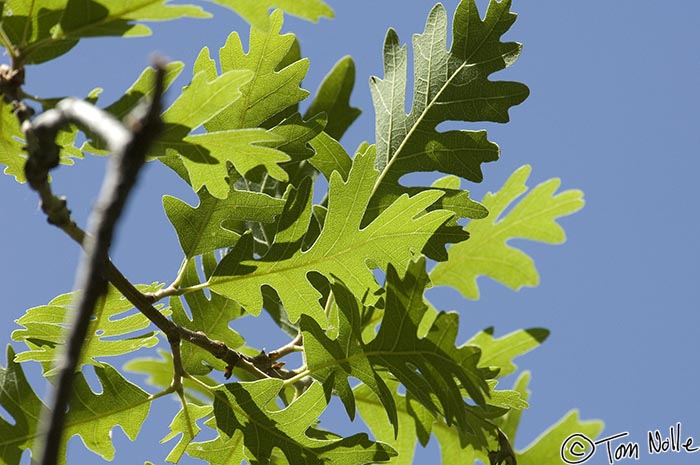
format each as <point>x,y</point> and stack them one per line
<point>344,271</point>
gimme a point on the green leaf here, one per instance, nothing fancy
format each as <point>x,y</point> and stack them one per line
<point>201,100</point>
<point>430,368</point>
<point>112,322</point>
<point>184,425</point>
<point>256,12</point>
<point>46,29</point>
<point>417,424</point>
<point>222,450</point>
<point>499,353</point>
<point>487,252</point>
<point>546,448</point>
<point>271,90</point>
<point>141,89</point>
<point>12,147</point>
<point>330,156</point>
<point>211,225</point>
<point>211,100</point>
<point>12,153</point>
<point>19,400</point>
<point>402,439</point>
<point>159,372</point>
<point>449,85</point>
<point>342,249</point>
<point>92,416</point>
<point>209,315</point>
<point>243,407</point>
<point>510,422</point>
<point>333,98</point>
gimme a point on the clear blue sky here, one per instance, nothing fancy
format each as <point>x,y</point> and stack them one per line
<point>615,90</point>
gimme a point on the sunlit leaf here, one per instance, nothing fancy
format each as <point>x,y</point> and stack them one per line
<point>487,251</point>
<point>430,368</point>
<point>44,329</point>
<point>91,415</point>
<point>243,407</point>
<point>342,249</point>
<point>204,228</point>
<point>256,12</point>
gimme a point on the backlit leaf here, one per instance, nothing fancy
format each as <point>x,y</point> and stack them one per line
<point>342,249</point>
<point>46,29</point>
<point>431,367</point>
<point>271,90</point>
<point>333,98</point>
<point>487,251</point>
<point>115,329</point>
<point>449,85</point>
<point>256,12</point>
<point>243,407</point>
<point>211,315</point>
<point>92,416</point>
<point>209,226</point>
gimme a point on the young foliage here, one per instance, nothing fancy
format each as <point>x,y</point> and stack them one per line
<point>210,315</point>
<point>91,415</point>
<point>204,228</point>
<point>416,423</point>
<point>243,407</point>
<point>46,29</point>
<point>259,237</point>
<point>342,249</point>
<point>487,252</point>
<point>430,367</point>
<point>112,330</point>
<point>449,85</point>
<point>256,12</point>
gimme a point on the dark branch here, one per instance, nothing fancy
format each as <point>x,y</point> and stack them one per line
<point>128,147</point>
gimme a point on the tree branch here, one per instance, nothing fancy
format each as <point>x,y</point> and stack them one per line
<point>128,146</point>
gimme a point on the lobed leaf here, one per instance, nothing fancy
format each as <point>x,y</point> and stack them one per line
<point>333,98</point>
<point>237,122</point>
<point>271,90</point>
<point>46,29</point>
<point>113,320</point>
<point>256,12</point>
<point>212,224</point>
<point>19,400</point>
<point>488,253</point>
<point>243,408</point>
<point>91,415</point>
<point>159,373</point>
<point>431,367</point>
<point>449,85</point>
<point>184,425</point>
<point>13,153</point>
<point>342,248</point>
<point>416,422</point>
<point>499,353</point>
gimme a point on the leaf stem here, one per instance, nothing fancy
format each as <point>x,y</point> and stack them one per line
<point>171,291</point>
<point>7,43</point>
<point>298,377</point>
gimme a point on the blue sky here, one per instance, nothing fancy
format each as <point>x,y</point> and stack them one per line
<point>612,111</point>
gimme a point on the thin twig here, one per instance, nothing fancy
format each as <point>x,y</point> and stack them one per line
<point>128,149</point>
<point>293,346</point>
